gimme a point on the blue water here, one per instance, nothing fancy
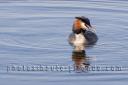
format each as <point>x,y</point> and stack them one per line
<point>35,32</point>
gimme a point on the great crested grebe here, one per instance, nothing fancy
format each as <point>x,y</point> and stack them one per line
<point>82,34</point>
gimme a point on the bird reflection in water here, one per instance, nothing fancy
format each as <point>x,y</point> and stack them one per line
<point>81,61</point>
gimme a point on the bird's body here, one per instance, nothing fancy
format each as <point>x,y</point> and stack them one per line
<point>78,41</point>
<point>82,36</point>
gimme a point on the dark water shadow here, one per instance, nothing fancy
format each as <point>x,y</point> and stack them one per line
<point>81,61</point>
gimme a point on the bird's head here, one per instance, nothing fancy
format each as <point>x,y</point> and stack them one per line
<point>81,24</point>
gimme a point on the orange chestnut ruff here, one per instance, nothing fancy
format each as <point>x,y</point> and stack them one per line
<point>77,24</point>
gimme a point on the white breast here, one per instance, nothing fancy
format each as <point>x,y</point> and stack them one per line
<point>79,42</point>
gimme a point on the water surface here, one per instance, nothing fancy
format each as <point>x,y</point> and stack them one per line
<point>35,32</point>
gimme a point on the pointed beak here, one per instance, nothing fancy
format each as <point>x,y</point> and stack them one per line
<point>88,26</point>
